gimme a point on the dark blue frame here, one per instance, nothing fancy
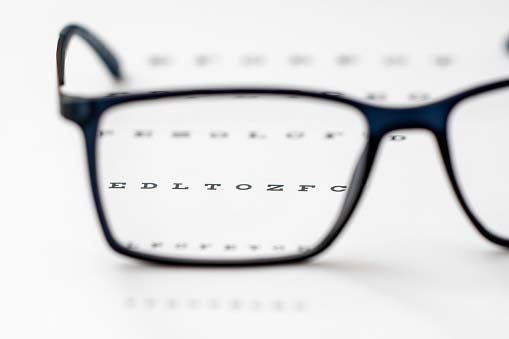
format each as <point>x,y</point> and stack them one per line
<point>86,112</point>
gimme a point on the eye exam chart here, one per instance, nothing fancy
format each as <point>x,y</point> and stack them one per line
<point>408,265</point>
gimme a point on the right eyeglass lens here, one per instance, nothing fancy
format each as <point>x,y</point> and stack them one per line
<point>226,177</point>
<point>479,142</point>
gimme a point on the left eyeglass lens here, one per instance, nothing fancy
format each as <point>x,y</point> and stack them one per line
<point>478,140</point>
<point>229,178</point>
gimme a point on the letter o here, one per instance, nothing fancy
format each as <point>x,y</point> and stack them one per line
<point>243,187</point>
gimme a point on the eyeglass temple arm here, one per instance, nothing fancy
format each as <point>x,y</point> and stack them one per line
<point>104,53</point>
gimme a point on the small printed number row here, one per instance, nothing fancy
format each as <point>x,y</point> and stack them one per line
<point>215,304</point>
<point>226,247</point>
<point>298,60</point>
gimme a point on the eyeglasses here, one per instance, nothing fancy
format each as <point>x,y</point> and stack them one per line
<point>242,176</point>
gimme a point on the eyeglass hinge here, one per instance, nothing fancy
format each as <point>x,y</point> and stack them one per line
<point>77,110</point>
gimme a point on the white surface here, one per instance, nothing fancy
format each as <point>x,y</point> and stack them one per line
<point>409,264</point>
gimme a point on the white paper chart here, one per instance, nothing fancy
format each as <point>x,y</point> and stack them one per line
<point>409,264</point>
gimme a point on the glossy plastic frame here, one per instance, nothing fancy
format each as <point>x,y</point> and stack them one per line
<point>433,117</point>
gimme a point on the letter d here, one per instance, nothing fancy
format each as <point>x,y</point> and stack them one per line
<point>148,185</point>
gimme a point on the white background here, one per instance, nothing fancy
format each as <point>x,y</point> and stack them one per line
<point>409,265</point>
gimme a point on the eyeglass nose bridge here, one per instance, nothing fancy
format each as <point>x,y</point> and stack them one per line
<point>432,117</point>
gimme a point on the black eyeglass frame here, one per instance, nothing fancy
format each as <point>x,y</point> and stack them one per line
<point>86,112</point>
